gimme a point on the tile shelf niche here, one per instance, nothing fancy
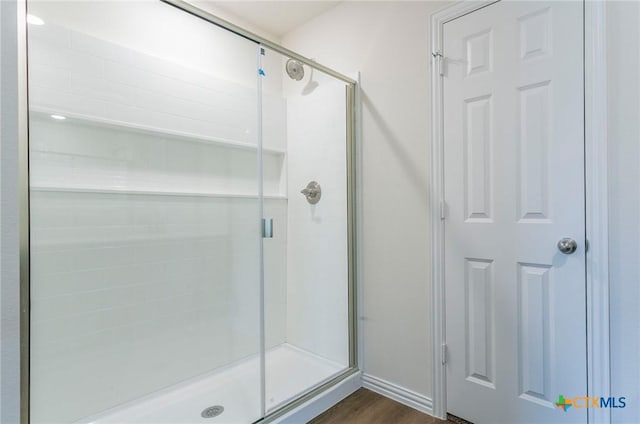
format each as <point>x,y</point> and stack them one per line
<point>149,130</point>
<point>127,191</point>
<point>52,181</point>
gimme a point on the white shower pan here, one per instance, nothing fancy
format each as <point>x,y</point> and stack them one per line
<point>290,371</point>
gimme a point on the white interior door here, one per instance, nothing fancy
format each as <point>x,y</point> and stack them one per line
<point>514,186</point>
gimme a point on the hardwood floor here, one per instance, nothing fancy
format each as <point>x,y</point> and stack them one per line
<point>367,407</point>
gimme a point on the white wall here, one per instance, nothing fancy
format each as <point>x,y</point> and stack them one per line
<point>623,23</point>
<point>388,42</point>
<point>217,8</point>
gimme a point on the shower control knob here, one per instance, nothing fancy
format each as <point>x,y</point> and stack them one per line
<point>312,192</point>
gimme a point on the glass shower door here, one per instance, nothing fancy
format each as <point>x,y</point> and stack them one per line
<point>306,262</point>
<point>145,207</point>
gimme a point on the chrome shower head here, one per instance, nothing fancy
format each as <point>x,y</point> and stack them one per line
<point>295,69</point>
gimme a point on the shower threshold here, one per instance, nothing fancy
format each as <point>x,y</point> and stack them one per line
<point>290,371</point>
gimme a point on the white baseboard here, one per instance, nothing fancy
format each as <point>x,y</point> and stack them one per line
<point>316,406</point>
<point>398,393</point>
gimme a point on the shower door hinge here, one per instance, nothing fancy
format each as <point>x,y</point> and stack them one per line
<point>439,60</point>
<point>444,353</point>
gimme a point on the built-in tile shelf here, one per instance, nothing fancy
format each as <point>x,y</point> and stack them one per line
<point>149,130</point>
<point>100,190</point>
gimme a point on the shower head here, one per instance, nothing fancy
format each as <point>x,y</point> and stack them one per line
<point>295,69</point>
<point>311,85</point>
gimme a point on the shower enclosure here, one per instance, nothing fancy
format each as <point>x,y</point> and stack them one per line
<point>182,267</point>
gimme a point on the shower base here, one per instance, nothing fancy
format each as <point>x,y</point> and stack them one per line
<point>289,372</point>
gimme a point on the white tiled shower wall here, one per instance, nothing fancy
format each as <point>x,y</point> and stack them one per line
<point>143,291</point>
<point>140,287</point>
<point>75,154</point>
<point>123,63</point>
<point>317,262</point>
<point>77,75</point>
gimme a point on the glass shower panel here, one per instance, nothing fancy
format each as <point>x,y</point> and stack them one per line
<point>306,273</point>
<point>144,196</point>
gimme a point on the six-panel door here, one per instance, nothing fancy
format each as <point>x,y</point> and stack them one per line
<point>514,186</point>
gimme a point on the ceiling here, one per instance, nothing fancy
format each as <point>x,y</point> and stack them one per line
<point>276,17</point>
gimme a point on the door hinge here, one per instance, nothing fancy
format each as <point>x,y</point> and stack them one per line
<point>444,353</point>
<point>443,209</point>
<point>439,62</point>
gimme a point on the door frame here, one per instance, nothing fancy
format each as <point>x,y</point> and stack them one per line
<point>596,203</point>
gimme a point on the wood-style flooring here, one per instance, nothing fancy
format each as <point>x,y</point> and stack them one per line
<point>367,407</point>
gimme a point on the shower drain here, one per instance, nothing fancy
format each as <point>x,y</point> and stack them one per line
<point>212,411</point>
